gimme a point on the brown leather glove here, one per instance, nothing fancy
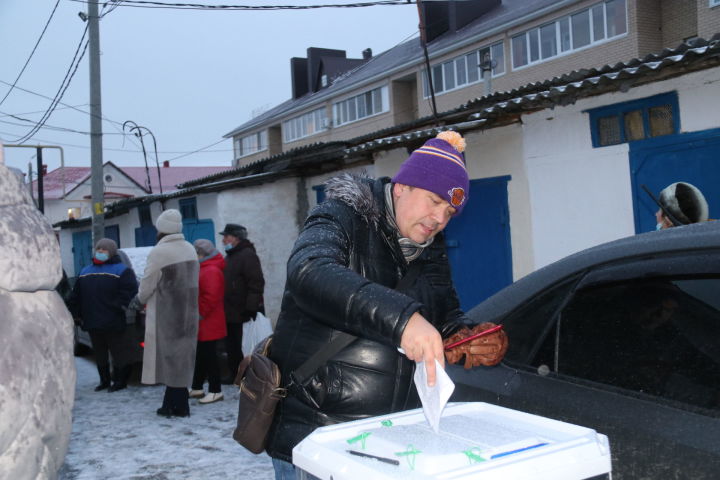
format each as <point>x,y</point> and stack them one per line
<point>455,355</point>
<point>487,350</point>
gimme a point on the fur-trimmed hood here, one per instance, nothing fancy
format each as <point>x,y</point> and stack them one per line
<point>357,192</point>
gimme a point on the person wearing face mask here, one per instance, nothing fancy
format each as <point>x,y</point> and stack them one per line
<point>99,298</point>
<point>244,285</point>
<point>680,203</point>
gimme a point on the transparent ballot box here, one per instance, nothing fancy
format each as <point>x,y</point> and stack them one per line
<point>476,441</point>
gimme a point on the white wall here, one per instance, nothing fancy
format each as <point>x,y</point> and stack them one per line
<point>498,152</point>
<point>581,196</point>
<point>268,212</point>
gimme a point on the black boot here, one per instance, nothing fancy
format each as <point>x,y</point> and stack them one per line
<point>104,373</point>
<point>122,374</point>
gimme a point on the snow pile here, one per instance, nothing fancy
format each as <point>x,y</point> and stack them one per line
<point>118,435</point>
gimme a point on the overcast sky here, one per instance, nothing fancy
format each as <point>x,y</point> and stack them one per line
<point>190,76</point>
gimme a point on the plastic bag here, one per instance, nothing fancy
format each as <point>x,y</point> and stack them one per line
<point>254,332</point>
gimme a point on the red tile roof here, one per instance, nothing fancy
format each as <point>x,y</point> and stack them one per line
<point>171,176</point>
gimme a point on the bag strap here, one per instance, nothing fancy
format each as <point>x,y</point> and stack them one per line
<point>306,370</point>
<point>343,339</point>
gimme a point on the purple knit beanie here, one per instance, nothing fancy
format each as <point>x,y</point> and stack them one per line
<point>439,167</point>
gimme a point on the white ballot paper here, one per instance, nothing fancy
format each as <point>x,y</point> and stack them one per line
<point>434,398</point>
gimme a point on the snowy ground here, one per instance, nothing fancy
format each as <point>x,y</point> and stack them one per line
<point>118,435</point>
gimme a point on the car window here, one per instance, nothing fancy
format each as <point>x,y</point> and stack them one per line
<point>658,336</point>
<point>528,325</point>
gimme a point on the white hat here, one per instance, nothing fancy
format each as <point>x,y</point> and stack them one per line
<point>170,221</point>
<point>685,202</point>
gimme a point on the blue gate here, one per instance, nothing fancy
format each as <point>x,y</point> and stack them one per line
<point>688,157</point>
<point>194,229</point>
<point>478,241</point>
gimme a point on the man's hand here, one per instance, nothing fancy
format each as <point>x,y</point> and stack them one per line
<point>487,350</point>
<point>423,343</point>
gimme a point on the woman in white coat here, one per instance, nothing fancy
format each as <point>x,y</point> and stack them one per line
<point>169,288</point>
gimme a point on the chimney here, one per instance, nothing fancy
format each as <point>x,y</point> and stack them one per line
<point>452,15</point>
<point>44,170</point>
<point>166,163</point>
<point>299,75</point>
<point>367,54</point>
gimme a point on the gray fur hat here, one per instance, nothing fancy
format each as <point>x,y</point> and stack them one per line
<point>685,202</point>
<point>205,247</point>
<point>169,221</point>
<point>107,244</point>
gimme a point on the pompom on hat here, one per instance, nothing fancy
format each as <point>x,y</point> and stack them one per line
<point>439,167</point>
<point>169,221</point>
<point>685,202</point>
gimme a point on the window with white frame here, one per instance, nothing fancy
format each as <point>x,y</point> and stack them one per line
<point>305,125</point>
<point>464,70</point>
<point>596,24</point>
<point>361,106</point>
<point>714,3</point>
<point>250,144</point>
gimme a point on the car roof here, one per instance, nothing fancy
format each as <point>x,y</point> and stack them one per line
<point>695,237</point>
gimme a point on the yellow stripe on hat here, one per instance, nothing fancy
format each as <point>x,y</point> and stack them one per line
<point>441,153</point>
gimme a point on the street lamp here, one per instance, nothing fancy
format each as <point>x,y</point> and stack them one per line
<point>139,131</point>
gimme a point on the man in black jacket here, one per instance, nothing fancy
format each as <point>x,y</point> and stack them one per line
<point>99,298</point>
<point>343,276</point>
<point>244,284</point>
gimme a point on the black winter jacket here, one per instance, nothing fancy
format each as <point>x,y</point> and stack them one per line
<point>100,294</point>
<point>244,283</point>
<point>342,273</point>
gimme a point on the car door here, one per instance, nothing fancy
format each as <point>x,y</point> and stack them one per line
<point>633,351</point>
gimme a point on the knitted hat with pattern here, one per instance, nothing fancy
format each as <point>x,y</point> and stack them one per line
<point>439,167</point>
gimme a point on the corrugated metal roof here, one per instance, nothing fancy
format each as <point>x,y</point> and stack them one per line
<point>498,108</point>
<point>484,112</point>
<point>493,110</point>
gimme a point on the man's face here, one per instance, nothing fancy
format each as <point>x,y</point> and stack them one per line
<point>420,214</point>
<point>230,240</point>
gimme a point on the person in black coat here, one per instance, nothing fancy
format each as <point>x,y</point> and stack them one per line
<point>244,285</point>
<point>342,276</point>
<point>99,299</point>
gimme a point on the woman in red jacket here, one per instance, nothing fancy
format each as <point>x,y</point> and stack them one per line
<point>212,322</point>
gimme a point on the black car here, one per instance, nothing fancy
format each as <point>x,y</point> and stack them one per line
<point>623,338</point>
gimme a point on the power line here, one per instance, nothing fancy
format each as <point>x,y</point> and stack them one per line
<point>63,87</point>
<point>39,111</point>
<point>196,151</point>
<point>75,107</point>
<point>31,53</point>
<point>199,6</point>
<point>123,150</point>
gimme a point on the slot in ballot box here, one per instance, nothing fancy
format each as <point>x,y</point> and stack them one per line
<point>476,441</point>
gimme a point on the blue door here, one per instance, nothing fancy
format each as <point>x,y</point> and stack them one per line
<point>194,229</point>
<point>145,236</point>
<point>479,242</point>
<point>82,250</point>
<point>658,162</point>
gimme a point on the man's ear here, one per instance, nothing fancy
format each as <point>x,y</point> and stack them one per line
<point>398,188</point>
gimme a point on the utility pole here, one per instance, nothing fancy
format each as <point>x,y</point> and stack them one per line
<point>96,159</point>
